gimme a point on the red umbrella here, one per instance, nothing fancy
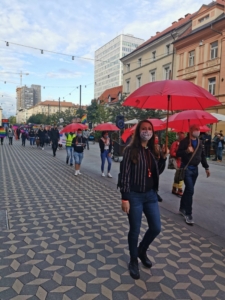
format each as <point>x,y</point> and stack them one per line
<point>157,124</point>
<point>73,127</point>
<point>106,127</point>
<point>202,129</point>
<point>182,121</point>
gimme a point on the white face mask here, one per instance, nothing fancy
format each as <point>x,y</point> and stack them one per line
<point>146,135</point>
<point>196,133</point>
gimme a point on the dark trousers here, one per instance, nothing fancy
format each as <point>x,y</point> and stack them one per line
<point>10,140</point>
<point>207,150</point>
<point>87,143</point>
<point>186,201</point>
<point>54,147</point>
<point>2,140</point>
<point>42,142</point>
<point>219,153</point>
<point>215,152</point>
<point>139,203</point>
<point>23,141</point>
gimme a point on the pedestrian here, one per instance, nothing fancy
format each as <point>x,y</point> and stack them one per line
<point>138,181</point>
<point>10,134</point>
<point>177,188</point>
<point>24,137</point>
<point>207,138</point>
<point>220,147</point>
<point>105,144</point>
<point>32,137</point>
<point>69,148</point>
<point>18,131</point>
<point>54,139</point>
<point>214,145</point>
<point>192,153</point>
<point>86,134</point>
<point>41,135</point>
<point>2,134</point>
<point>78,143</point>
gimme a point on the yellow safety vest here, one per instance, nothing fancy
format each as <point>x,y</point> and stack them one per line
<point>69,139</point>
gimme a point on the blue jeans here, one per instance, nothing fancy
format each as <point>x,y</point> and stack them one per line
<point>219,153</point>
<point>190,178</point>
<point>69,150</point>
<point>78,157</point>
<point>104,156</point>
<point>147,203</point>
<point>32,139</point>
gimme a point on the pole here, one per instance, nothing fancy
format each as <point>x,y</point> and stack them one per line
<point>48,112</point>
<point>167,120</point>
<point>59,106</point>
<point>80,96</point>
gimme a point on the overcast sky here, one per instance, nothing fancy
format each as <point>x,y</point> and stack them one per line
<point>76,28</point>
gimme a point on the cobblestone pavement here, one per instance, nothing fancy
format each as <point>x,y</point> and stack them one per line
<point>68,240</point>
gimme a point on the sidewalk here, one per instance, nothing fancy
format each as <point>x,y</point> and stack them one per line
<point>68,240</point>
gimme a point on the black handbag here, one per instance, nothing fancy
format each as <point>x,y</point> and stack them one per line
<point>180,172</point>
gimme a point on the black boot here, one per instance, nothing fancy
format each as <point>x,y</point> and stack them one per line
<point>144,258</point>
<point>133,268</point>
<point>67,160</point>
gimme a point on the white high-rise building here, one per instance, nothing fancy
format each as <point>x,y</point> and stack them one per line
<point>108,68</point>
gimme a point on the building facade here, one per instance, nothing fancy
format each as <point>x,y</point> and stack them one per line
<point>155,59</point>
<point>201,53</point>
<point>108,68</point>
<point>28,97</point>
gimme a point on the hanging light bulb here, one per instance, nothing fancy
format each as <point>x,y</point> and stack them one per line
<point>7,43</point>
<point>42,51</point>
<point>72,57</point>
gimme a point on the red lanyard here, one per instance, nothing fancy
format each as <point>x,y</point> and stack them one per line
<point>148,161</point>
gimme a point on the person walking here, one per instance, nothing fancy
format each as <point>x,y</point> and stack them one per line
<point>41,135</point>
<point>69,148</point>
<point>86,134</point>
<point>207,138</point>
<point>32,136</point>
<point>192,153</point>
<point>138,181</point>
<point>220,147</point>
<point>105,144</point>
<point>2,134</point>
<point>78,144</point>
<point>10,134</point>
<point>24,137</point>
<point>177,188</point>
<point>54,139</point>
<point>214,145</point>
<point>18,131</point>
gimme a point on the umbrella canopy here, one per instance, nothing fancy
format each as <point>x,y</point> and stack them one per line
<point>106,127</point>
<point>184,119</point>
<point>171,95</point>
<point>73,127</point>
<point>218,116</point>
<point>157,124</point>
<point>202,129</point>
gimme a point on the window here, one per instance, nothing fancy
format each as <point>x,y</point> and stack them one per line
<point>168,49</point>
<point>138,81</point>
<point>203,19</point>
<point>154,55</point>
<point>191,58</point>
<point>167,73</point>
<point>139,62</point>
<point>128,67</point>
<point>212,85</point>
<point>214,50</point>
<point>152,76</point>
<point>128,86</point>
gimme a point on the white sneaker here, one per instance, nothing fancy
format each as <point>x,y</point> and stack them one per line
<point>109,175</point>
<point>103,175</point>
<point>43,148</point>
<point>76,173</point>
<point>79,173</point>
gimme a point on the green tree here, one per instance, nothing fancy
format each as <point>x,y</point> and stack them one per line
<point>12,120</point>
<point>92,112</point>
<point>38,119</point>
<point>80,112</point>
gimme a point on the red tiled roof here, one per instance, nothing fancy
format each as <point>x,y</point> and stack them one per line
<point>113,93</point>
<point>62,104</point>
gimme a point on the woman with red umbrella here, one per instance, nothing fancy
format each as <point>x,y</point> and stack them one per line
<point>191,152</point>
<point>105,144</point>
<point>138,181</point>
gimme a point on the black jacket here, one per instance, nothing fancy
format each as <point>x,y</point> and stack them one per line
<point>54,135</point>
<point>207,137</point>
<point>31,133</point>
<point>185,157</point>
<point>102,145</point>
<point>79,144</point>
<point>41,134</point>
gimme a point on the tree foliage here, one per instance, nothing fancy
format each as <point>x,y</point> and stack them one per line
<point>12,120</point>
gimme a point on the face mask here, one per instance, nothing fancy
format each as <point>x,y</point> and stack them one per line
<point>196,133</point>
<point>106,136</point>
<point>79,134</point>
<point>146,135</point>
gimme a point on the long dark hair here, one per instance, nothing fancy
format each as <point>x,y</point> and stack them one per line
<point>135,144</point>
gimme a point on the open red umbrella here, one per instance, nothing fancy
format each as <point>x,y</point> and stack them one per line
<point>73,127</point>
<point>171,95</point>
<point>182,121</point>
<point>106,127</point>
<point>202,129</point>
<point>126,134</point>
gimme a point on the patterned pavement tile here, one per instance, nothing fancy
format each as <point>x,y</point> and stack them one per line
<point>68,240</point>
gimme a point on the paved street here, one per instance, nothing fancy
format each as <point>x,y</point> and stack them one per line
<point>68,236</point>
